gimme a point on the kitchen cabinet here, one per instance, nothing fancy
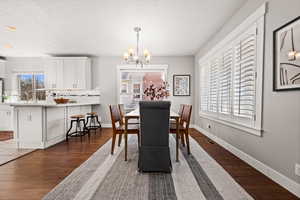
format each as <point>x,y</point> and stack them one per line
<point>53,73</point>
<point>55,122</point>
<point>5,118</point>
<point>41,126</point>
<point>68,73</point>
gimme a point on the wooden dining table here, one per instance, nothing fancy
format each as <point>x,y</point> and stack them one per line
<point>135,114</point>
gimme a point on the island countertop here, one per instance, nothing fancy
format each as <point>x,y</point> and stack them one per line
<point>34,104</point>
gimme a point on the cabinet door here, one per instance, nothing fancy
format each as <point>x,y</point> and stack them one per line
<point>70,69</point>
<point>55,122</point>
<point>53,72</point>
<point>2,69</point>
<point>80,76</point>
<point>5,118</point>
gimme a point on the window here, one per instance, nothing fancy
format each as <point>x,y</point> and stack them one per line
<point>133,81</point>
<point>31,86</point>
<point>231,77</point>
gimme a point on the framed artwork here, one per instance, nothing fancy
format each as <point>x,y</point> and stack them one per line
<point>286,56</point>
<point>181,85</point>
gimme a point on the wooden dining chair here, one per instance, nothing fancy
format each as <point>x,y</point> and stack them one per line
<point>173,123</point>
<point>119,126</point>
<point>122,112</point>
<point>184,125</point>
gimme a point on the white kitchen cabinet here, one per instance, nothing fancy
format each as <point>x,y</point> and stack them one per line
<point>55,123</point>
<point>54,73</point>
<point>68,73</point>
<point>5,118</point>
<point>2,69</point>
<point>29,126</point>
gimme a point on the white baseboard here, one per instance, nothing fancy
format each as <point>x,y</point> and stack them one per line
<point>279,178</point>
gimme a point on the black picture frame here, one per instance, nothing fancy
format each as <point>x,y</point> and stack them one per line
<point>175,84</point>
<point>275,56</point>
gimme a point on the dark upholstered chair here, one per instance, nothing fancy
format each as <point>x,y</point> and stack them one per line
<point>154,152</point>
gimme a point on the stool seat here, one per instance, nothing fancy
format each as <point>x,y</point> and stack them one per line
<point>92,113</point>
<point>77,116</point>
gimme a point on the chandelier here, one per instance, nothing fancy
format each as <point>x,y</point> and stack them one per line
<point>133,56</point>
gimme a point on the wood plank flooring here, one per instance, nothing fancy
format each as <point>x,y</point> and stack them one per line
<point>35,174</point>
<point>6,135</point>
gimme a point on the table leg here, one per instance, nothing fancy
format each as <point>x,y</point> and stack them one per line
<point>125,137</point>
<point>177,139</point>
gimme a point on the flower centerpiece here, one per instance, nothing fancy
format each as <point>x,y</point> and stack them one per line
<point>157,93</point>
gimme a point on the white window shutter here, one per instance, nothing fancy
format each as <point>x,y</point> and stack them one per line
<point>244,75</point>
<point>213,86</point>
<point>225,81</point>
<point>204,87</point>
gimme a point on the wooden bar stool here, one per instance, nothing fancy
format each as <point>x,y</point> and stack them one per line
<point>92,121</point>
<point>80,130</point>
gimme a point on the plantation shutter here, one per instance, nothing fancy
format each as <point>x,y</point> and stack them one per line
<point>245,75</point>
<point>225,82</point>
<point>204,87</point>
<point>213,86</point>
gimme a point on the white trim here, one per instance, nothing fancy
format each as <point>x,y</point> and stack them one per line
<point>276,176</point>
<point>238,125</point>
<point>162,67</point>
<point>256,20</point>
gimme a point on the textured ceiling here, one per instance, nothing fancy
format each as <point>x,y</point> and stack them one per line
<point>105,27</point>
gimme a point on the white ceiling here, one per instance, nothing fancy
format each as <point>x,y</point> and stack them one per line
<point>105,27</point>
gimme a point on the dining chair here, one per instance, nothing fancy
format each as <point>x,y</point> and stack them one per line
<point>154,152</point>
<point>184,125</point>
<point>119,127</point>
<point>173,123</point>
<point>122,111</point>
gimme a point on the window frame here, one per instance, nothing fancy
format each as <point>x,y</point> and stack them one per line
<point>33,74</point>
<point>250,126</point>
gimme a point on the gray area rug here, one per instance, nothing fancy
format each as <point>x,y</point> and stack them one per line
<point>105,176</point>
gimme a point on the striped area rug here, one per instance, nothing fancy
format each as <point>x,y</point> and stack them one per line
<point>105,176</point>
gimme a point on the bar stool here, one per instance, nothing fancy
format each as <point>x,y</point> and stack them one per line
<point>79,131</point>
<point>92,121</point>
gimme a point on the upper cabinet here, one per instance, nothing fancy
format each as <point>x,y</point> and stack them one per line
<point>2,69</point>
<point>68,73</point>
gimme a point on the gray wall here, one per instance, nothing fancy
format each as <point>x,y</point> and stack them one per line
<point>280,145</point>
<point>104,70</point>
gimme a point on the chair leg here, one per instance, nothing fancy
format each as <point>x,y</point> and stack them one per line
<point>138,135</point>
<point>187,142</point>
<point>182,139</point>
<point>113,143</point>
<point>67,134</point>
<point>120,139</point>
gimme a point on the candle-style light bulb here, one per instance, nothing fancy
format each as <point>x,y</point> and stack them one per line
<point>126,56</point>
<point>130,51</point>
<point>292,55</point>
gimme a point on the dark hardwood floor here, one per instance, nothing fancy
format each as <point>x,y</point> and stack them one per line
<point>34,175</point>
<point>6,135</point>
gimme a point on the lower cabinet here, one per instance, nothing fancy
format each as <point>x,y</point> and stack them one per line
<point>41,127</point>
<point>55,123</point>
<point>6,118</point>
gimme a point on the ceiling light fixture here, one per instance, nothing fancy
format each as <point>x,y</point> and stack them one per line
<point>8,46</point>
<point>11,28</point>
<point>133,56</point>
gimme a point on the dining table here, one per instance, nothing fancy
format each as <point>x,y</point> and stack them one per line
<point>135,114</point>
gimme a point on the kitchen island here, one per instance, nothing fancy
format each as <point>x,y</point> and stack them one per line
<point>41,125</point>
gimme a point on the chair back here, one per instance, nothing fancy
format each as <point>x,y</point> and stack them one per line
<point>154,129</point>
<point>186,116</point>
<point>115,115</point>
<point>154,119</point>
